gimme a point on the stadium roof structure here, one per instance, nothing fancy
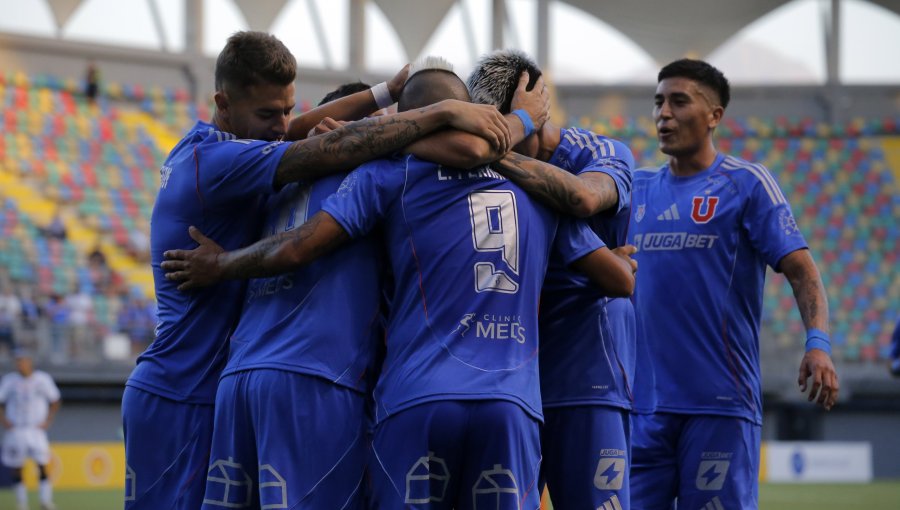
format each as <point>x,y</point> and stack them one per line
<point>665,30</point>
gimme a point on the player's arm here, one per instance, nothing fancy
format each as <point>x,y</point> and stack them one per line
<point>3,419</point>
<point>612,271</point>
<point>357,142</point>
<point>52,409</point>
<point>581,195</point>
<point>459,149</point>
<point>809,292</point>
<point>209,263</point>
<point>352,107</point>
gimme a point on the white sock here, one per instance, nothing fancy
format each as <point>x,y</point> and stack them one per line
<point>21,493</point>
<point>46,492</point>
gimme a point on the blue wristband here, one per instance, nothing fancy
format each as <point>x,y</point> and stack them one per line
<point>818,339</point>
<point>526,121</point>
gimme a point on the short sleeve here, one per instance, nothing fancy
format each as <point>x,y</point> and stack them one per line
<point>614,159</point>
<point>232,170</point>
<point>363,198</point>
<point>4,389</point>
<point>768,220</point>
<point>51,391</point>
<point>575,239</point>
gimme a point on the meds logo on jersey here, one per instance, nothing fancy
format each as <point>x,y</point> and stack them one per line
<point>703,209</point>
<point>640,212</point>
<point>347,185</point>
<point>491,327</point>
<point>787,222</point>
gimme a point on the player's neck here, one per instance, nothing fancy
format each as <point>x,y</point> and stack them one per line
<point>686,165</point>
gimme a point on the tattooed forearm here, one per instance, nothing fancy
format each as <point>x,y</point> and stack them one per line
<point>557,188</point>
<point>344,148</point>
<point>801,272</point>
<point>288,250</point>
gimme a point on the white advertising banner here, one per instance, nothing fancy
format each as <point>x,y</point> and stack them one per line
<point>817,461</point>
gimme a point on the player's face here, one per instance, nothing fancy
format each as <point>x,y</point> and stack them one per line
<point>24,366</point>
<point>262,112</point>
<point>685,113</point>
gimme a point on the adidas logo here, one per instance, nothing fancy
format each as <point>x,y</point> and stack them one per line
<point>714,504</point>
<point>669,214</point>
<point>612,504</point>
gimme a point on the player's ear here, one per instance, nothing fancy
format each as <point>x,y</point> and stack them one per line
<point>715,116</point>
<point>221,99</point>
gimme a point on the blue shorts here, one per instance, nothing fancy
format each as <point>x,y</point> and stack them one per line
<point>587,451</point>
<point>286,440</point>
<point>705,461</point>
<point>166,451</point>
<point>466,455</point>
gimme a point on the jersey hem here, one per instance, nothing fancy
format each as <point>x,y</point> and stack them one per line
<point>163,392</point>
<point>575,402</point>
<point>291,368</point>
<point>708,411</point>
<point>387,413</point>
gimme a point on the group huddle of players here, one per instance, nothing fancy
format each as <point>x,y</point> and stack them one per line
<point>388,350</point>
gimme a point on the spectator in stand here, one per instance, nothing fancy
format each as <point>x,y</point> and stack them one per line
<point>82,344</point>
<point>137,319</point>
<point>10,313</point>
<point>56,229</point>
<point>58,314</point>
<point>895,351</point>
<point>27,334</point>
<point>92,82</point>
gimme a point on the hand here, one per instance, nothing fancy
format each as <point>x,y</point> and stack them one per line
<point>45,425</point>
<point>536,101</point>
<point>625,252</point>
<point>7,424</point>
<point>480,119</point>
<point>395,86</point>
<point>326,125</point>
<point>817,364</point>
<point>196,268</point>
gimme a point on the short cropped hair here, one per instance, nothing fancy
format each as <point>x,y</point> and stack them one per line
<point>431,79</point>
<point>344,91</point>
<point>252,58</point>
<point>496,77</point>
<point>700,72</point>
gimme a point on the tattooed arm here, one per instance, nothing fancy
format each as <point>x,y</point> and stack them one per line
<point>580,195</point>
<point>352,107</point>
<point>802,273</point>
<point>209,263</point>
<point>355,143</point>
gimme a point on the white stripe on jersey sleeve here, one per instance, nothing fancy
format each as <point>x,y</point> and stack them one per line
<point>774,194</point>
<point>586,144</point>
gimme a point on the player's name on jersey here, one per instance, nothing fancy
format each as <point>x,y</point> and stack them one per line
<point>485,172</point>
<point>673,241</point>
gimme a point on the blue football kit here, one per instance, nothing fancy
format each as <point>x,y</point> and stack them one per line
<point>295,382</point>
<point>587,346</point>
<point>215,182</point>
<point>704,242</point>
<point>468,252</point>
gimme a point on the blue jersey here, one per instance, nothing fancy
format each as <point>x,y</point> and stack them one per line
<point>587,355</point>
<point>468,251</point>
<point>216,183</point>
<point>703,245</point>
<point>320,319</point>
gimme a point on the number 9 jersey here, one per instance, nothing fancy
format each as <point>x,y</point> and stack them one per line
<point>469,252</point>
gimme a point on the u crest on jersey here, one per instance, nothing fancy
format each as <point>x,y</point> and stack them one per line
<point>703,208</point>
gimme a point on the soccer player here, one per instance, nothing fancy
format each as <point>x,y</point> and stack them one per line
<point>587,338</point>
<point>29,400</point>
<point>458,403</point>
<point>706,225</point>
<point>215,178</point>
